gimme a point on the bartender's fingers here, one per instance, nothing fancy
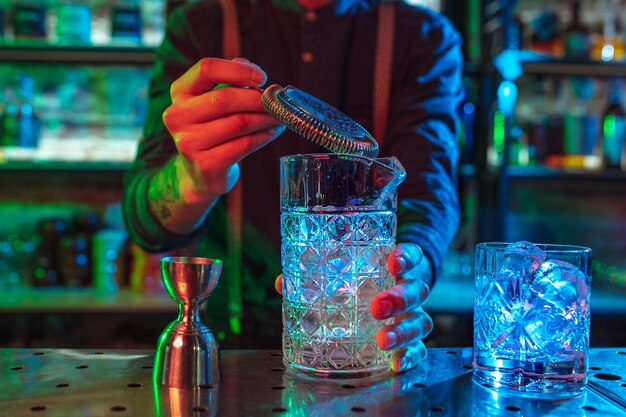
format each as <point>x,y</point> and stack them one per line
<point>415,326</point>
<point>278,284</point>
<point>221,157</point>
<point>406,261</point>
<point>212,105</point>
<point>406,295</point>
<point>242,59</point>
<point>207,72</point>
<point>408,357</point>
<point>221,131</point>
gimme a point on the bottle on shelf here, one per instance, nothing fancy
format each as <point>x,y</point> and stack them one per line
<point>580,125</point>
<point>153,13</point>
<point>73,22</point>
<point>9,122</point>
<point>50,232</point>
<point>556,124</point>
<point>614,129</point>
<point>546,38</point>
<point>1,23</point>
<point>465,137</point>
<point>533,113</point>
<point>19,123</point>
<point>610,46</point>
<point>29,123</point>
<point>126,22</point>
<point>29,20</point>
<point>518,147</point>
<point>577,36</point>
<point>75,250</point>
<point>16,261</point>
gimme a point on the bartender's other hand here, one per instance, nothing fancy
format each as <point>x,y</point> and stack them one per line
<point>403,302</point>
<point>214,128</point>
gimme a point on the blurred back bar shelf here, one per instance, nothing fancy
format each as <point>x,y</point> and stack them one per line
<point>542,172</point>
<point>33,165</point>
<point>75,78</point>
<point>85,300</point>
<point>541,64</point>
<point>73,102</point>
<point>76,54</point>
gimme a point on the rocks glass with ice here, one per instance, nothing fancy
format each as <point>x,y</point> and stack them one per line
<point>531,317</point>
<point>338,225</point>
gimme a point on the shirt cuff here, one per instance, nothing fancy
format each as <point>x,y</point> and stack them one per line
<point>145,229</point>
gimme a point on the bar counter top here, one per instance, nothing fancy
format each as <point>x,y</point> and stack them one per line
<point>86,383</point>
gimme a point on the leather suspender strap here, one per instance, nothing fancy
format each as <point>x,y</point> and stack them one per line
<point>231,44</point>
<point>231,48</point>
<point>382,69</point>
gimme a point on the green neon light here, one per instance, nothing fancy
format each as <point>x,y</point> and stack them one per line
<point>498,131</point>
<point>235,325</point>
<point>609,126</point>
<point>40,273</point>
<point>473,29</point>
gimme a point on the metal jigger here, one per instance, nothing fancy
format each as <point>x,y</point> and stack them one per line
<point>187,353</point>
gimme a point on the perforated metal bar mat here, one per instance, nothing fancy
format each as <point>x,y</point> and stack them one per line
<point>66,383</point>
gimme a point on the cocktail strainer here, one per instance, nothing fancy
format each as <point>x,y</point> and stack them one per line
<point>318,121</point>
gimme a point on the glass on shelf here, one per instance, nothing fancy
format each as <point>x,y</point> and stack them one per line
<point>577,36</point>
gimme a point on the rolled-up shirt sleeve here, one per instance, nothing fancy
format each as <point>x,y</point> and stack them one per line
<point>423,122</point>
<point>176,54</point>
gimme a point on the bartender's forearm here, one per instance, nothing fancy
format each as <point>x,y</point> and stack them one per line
<point>177,201</point>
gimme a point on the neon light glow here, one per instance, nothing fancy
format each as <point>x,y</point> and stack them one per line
<point>608,53</point>
<point>609,126</point>
<point>498,131</point>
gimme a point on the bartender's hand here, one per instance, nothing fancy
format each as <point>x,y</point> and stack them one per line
<point>216,119</point>
<point>215,128</point>
<point>402,302</point>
